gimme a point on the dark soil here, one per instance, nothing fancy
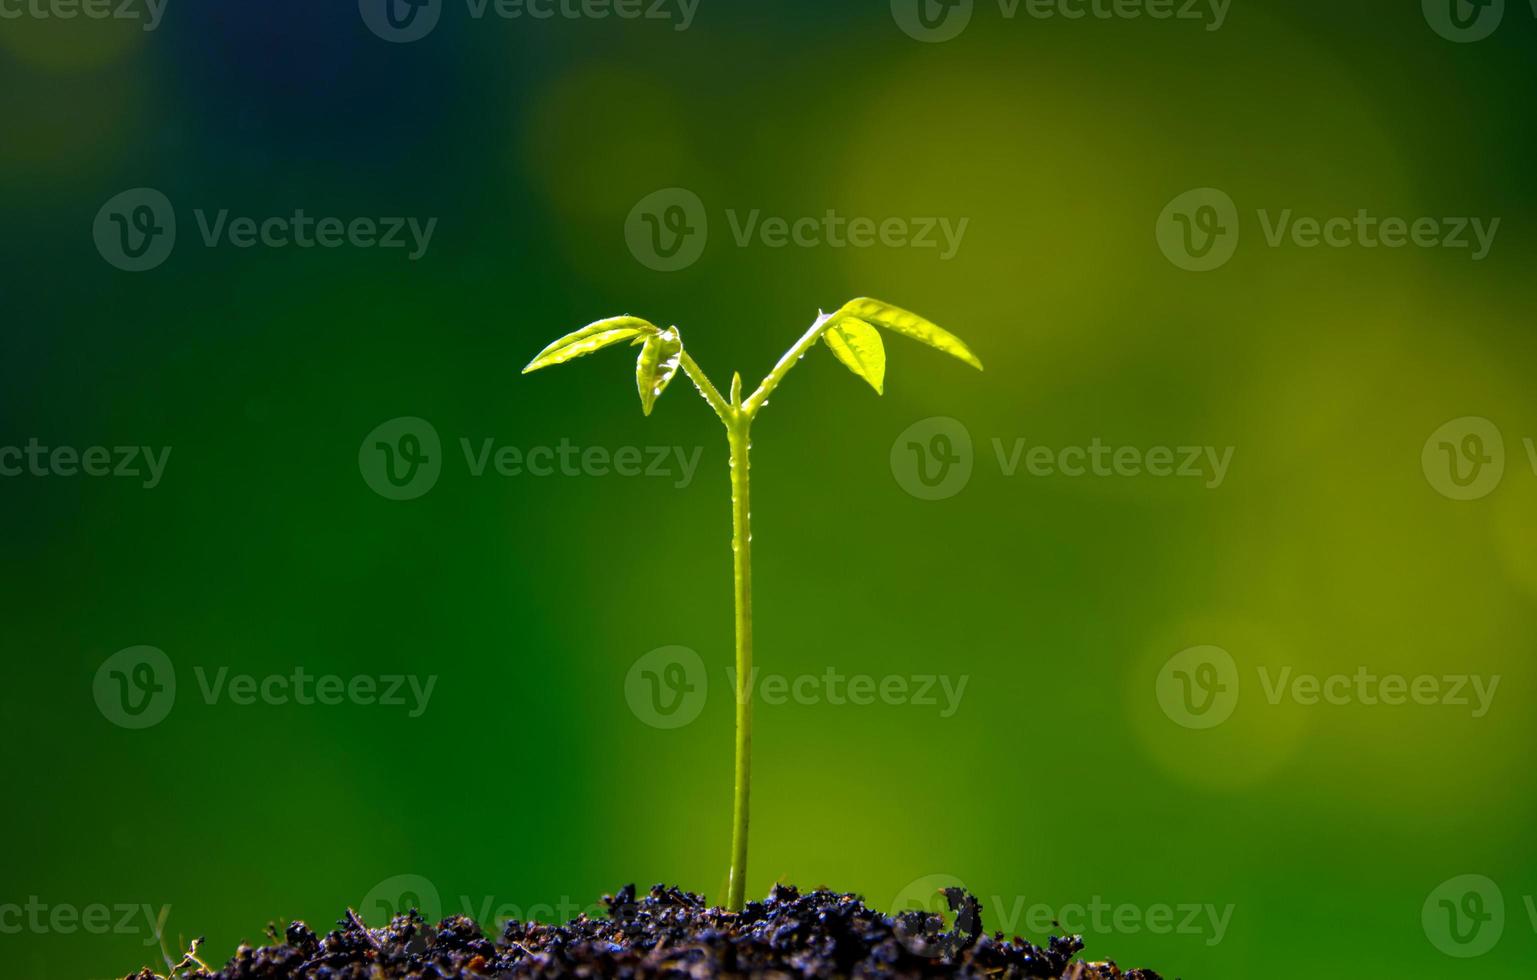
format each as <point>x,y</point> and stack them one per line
<point>671,933</point>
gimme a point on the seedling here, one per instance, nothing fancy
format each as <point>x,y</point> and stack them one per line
<point>851,335</point>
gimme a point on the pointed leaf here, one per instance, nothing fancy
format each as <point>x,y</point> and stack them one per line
<point>657,364</point>
<point>858,345</point>
<point>901,321</point>
<point>594,336</point>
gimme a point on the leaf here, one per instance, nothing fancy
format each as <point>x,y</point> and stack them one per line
<point>858,345</point>
<point>911,324</point>
<point>657,364</point>
<point>594,336</point>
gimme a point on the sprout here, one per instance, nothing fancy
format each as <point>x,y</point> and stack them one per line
<point>851,334</point>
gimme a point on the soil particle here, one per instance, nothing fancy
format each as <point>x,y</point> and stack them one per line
<point>672,933</point>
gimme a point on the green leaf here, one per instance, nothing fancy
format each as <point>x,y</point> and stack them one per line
<point>911,324</point>
<point>657,364</point>
<point>858,345</point>
<point>594,336</point>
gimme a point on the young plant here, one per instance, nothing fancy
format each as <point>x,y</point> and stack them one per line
<point>851,335</point>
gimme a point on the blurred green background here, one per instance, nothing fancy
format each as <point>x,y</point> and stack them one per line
<point>529,780</point>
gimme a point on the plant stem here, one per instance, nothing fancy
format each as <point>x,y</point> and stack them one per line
<point>738,415</point>
<point>739,432</point>
<point>789,360</point>
<point>702,382</point>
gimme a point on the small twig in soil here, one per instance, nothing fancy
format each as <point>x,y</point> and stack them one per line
<point>188,960</point>
<point>353,916</point>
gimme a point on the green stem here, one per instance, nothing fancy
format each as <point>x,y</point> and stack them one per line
<point>791,358</point>
<point>739,431</point>
<point>702,382</point>
<point>738,415</point>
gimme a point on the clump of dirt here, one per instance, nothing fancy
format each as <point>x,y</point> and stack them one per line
<point>672,933</point>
